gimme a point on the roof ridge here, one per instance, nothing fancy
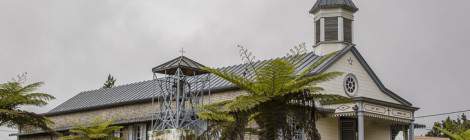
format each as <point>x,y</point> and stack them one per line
<point>234,65</point>
<point>102,89</point>
<point>77,103</point>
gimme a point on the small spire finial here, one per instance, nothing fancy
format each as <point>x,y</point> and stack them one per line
<point>182,51</point>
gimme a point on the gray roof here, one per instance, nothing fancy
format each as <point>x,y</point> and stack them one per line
<point>324,4</point>
<point>144,91</point>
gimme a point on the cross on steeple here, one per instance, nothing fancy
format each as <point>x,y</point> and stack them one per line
<point>182,51</point>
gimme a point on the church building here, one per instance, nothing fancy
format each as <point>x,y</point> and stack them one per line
<point>376,112</point>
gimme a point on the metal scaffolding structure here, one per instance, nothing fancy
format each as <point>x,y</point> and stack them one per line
<point>182,89</point>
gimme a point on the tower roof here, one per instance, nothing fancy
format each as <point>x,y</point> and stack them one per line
<point>324,4</point>
<point>188,67</point>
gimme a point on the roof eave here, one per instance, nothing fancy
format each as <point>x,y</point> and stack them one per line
<point>146,100</point>
<point>346,7</point>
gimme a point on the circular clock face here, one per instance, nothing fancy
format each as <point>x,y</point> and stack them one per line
<point>350,85</point>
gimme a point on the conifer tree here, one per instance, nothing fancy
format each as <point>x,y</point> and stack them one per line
<point>109,82</point>
<point>460,125</point>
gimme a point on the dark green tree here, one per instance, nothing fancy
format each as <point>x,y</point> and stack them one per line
<point>460,125</point>
<point>460,135</point>
<point>109,82</point>
<point>434,132</point>
<point>277,97</point>
<point>16,94</point>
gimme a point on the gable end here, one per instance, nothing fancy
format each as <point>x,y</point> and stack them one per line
<point>366,66</point>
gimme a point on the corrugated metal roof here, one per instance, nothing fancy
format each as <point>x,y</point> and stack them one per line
<point>145,90</point>
<point>322,4</point>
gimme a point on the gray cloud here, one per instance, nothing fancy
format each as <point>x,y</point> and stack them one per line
<point>418,48</point>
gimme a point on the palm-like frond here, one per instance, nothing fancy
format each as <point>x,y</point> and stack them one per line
<point>466,135</point>
<point>31,87</point>
<point>307,82</point>
<point>329,99</point>
<point>315,65</point>
<point>455,135</point>
<point>97,130</point>
<point>14,118</point>
<point>272,77</point>
<point>246,102</point>
<point>274,94</point>
<point>233,78</point>
<point>215,112</point>
<point>14,95</point>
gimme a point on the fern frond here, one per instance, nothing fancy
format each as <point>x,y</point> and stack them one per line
<point>273,76</point>
<point>450,134</point>
<point>316,64</point>
<point>233,78</point>
<point>246,102</point>
<point>306,81</point>
<point>216,116</point>
<point>329,99</point>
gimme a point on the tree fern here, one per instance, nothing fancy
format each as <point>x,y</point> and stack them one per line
<point>14,95</point>
<point>97,130</point>
<point>276,94</point>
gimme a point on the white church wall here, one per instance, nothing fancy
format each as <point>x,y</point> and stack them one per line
<point>366,86</point>
<point>377,130</point>
<point>328,128</point>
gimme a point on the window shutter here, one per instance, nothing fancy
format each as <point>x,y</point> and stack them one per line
<point>317,31</point>
<point>348,129</point>
<point>331,29</point>
<point>347,30</point>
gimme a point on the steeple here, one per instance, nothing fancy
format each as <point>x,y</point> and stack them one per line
<point>333,24</point>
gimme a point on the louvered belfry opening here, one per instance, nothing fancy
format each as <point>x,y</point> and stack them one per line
<point>183,87</point>
<point>317,31</point>
<point>347,30</point>
<point>331,28</point>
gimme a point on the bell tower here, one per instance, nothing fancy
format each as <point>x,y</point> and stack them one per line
<point>333,25</point>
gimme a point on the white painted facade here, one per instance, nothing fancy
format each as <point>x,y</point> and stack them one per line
<point>328,128</point>
<point>366,86</point>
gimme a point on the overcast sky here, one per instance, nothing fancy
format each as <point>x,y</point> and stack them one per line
<point>418,48</point>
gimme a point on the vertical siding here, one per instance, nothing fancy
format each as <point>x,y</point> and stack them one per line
<point>366,86</point>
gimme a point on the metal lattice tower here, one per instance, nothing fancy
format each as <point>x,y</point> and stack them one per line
<point>182,87</point>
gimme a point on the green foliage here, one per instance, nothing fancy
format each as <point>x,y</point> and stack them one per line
<point>16,94</point>
<point>109,82</point>
<point>277,96</point>
<point>459,125</point>
<point>97,130</point>
<point>459,135</point>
